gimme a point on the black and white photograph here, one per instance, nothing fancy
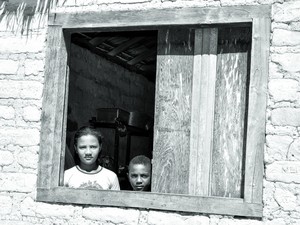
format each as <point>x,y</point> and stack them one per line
<point>149,112</point>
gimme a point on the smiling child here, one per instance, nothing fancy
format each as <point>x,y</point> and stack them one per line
<point>88,173</point>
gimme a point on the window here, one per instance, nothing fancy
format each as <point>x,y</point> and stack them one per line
<point>112,87</point>
<point>191,114</point>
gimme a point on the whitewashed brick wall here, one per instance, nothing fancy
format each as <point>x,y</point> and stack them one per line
<point>21,83</point>
<point>282,184</point>
<point>22,60</point>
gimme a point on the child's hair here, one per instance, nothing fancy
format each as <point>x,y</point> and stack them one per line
<point>140,159</point>
<point>87,130</point>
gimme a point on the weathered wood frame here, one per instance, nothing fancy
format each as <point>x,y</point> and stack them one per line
<point>55,101</point>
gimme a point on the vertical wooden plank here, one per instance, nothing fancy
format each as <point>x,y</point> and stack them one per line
<point>67,45</point>
<point>172,111</point>
<point>61,108</point>
<point>170,164</point>
<point>203,94</point>
<point>257,110</point>
<point>230,108</point>
<point>53,108</point>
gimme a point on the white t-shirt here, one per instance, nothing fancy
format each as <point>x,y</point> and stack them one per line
<point>103,179</point>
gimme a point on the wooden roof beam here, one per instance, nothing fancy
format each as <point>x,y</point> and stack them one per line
<point>85,36</point>
<point>141,57</point>
<point>125,45</point>
<point>98,40</point>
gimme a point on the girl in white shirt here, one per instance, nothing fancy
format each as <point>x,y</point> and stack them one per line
<point>88,173</point>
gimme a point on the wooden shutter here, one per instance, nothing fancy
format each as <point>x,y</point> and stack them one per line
<point>201,111</point>
<point>186,64</point>
<point>202,114</point>
<point>230,117</point>
<point>172,111</point>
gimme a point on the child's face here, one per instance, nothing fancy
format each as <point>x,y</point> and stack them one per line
<point>88,149</point>
<point>139,177</point>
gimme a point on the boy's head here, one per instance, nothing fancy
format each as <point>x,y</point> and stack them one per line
<point>139,173</point>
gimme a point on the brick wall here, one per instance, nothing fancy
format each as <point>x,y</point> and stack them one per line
<point>21,83</point>
<point>282,153</point>
<point>22,60</point>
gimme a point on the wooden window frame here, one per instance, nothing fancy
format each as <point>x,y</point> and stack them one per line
<point>52,143</point>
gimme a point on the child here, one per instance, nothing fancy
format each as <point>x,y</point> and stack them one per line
<point>139,173</point>
<point>88,173</point>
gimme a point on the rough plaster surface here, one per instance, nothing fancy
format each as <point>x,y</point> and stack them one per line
<point>22,60</point>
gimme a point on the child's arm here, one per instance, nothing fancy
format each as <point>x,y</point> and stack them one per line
<point>66,178</point>
<point>115,183</point>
